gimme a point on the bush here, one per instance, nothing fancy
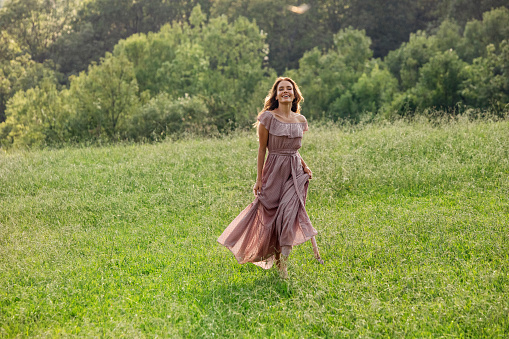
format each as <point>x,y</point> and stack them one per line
<point>406,62</point>
<point>163,116</point>
<point>104,99</point>
<point>440,81</point>
<point>493,29</point>
<point>487,82</point>
<point>216,60</point>
<point>375,90</point>
<point>36,117</point>
<point>325,77</point>
<point>404,104</point>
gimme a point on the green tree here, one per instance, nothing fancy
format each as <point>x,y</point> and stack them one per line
<point>36,117</point>
<point>20,74</point>
<point>35,25</point>
<point>235,55</point>
<point>104,98</point>
<point>389,23</point>
<point>463,11</point>
<point>325,77</point>
<point>447,37</point>
<point>101,24</point>
<point>220,62</point>
<point>28,28</point>
<point>289,34</point>
<point>430,73</point>
<point>405,62</point>
<point>163,116</point>
<point>487,82</point>
<point>493,29</point>
<point>374,90</point>
<point>75,50</point>
<point>440,81</point>
<point>185,73</point>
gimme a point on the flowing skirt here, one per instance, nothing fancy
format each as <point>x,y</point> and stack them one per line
<point>276,218</point>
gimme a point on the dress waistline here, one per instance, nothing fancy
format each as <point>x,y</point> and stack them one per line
<point>289,152</point>
<point>295,163</point>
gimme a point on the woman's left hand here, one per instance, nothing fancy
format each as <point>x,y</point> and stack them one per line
<point>308,172</point>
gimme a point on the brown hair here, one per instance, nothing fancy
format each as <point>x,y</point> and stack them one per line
<point>270,100</point>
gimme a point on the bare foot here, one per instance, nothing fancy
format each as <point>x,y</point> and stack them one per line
<point>315,250</point>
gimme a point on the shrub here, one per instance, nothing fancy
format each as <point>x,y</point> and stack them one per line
<point>163,116</point>
<point>440,81</point>
<point>36,117</point>
<point>487,80</point>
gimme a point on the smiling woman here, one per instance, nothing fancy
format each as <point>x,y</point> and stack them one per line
<point>266,230</point>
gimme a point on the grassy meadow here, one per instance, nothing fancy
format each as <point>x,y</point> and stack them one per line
<point>120,241</point>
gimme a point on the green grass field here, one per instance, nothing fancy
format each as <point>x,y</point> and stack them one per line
<point>120,241</point>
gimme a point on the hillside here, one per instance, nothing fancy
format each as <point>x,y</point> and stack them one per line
<point>121,240</point>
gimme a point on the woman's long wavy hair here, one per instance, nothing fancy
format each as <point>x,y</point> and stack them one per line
<point>270,100</point>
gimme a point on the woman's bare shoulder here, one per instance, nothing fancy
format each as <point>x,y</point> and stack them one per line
<point>300,117</point>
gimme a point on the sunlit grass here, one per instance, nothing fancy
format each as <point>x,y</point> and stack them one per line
<point>121,240</point>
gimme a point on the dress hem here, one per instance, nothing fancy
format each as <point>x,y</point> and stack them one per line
<point>260,261</point>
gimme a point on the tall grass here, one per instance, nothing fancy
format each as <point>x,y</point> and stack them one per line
<point>121,240</point>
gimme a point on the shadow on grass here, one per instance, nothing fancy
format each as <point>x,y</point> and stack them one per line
<point>245,288</point>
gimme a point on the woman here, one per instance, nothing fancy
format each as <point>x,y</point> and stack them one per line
<point>267,229</point>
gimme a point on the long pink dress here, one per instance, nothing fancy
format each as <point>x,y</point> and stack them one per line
<point>277,217</point>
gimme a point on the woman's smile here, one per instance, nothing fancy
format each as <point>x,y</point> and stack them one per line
<point>285,91</point>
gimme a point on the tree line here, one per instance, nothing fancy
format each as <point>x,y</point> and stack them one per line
<point>207,73</point>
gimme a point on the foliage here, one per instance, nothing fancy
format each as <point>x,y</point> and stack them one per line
<point>439,86</point>
<point>100,24</point>
<point>493,29</point>
<point>218,61</point>
<point>20,73</point>
<point>35,25</point>
<point>389,23</point>
<point>74,51</point>
<point>325,77</point>
<point>36,117</point>
<point>463,11</point>
<point>290,35</point>
<point>434,70</point>
<point>406,61</point>
<point>163,116</point>
<point>440,81</point>
<point>74,33</point>
<point>448,37</point>
<point>487,83</point>
<point>370,94</point>
<point>104,98</point>
<point>219,66</point>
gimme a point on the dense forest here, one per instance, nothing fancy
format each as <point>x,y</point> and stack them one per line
<point>73,70</point>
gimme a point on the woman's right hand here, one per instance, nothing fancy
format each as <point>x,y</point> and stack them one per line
<point>257,187</point>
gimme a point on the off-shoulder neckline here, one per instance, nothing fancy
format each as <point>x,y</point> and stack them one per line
<point>284,122</point>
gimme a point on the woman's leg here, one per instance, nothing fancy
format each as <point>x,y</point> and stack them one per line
<point>283,261</point>
<point>315,249</point>
<point>285,250</point>
<point>277,259</point>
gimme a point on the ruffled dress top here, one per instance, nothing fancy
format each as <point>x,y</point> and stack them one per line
<point>277,217</point>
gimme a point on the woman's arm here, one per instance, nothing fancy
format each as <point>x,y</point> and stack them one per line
<point>305,167</point>
<point>263,137</point>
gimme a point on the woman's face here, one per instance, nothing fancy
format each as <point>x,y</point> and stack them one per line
<point>285,92</point>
